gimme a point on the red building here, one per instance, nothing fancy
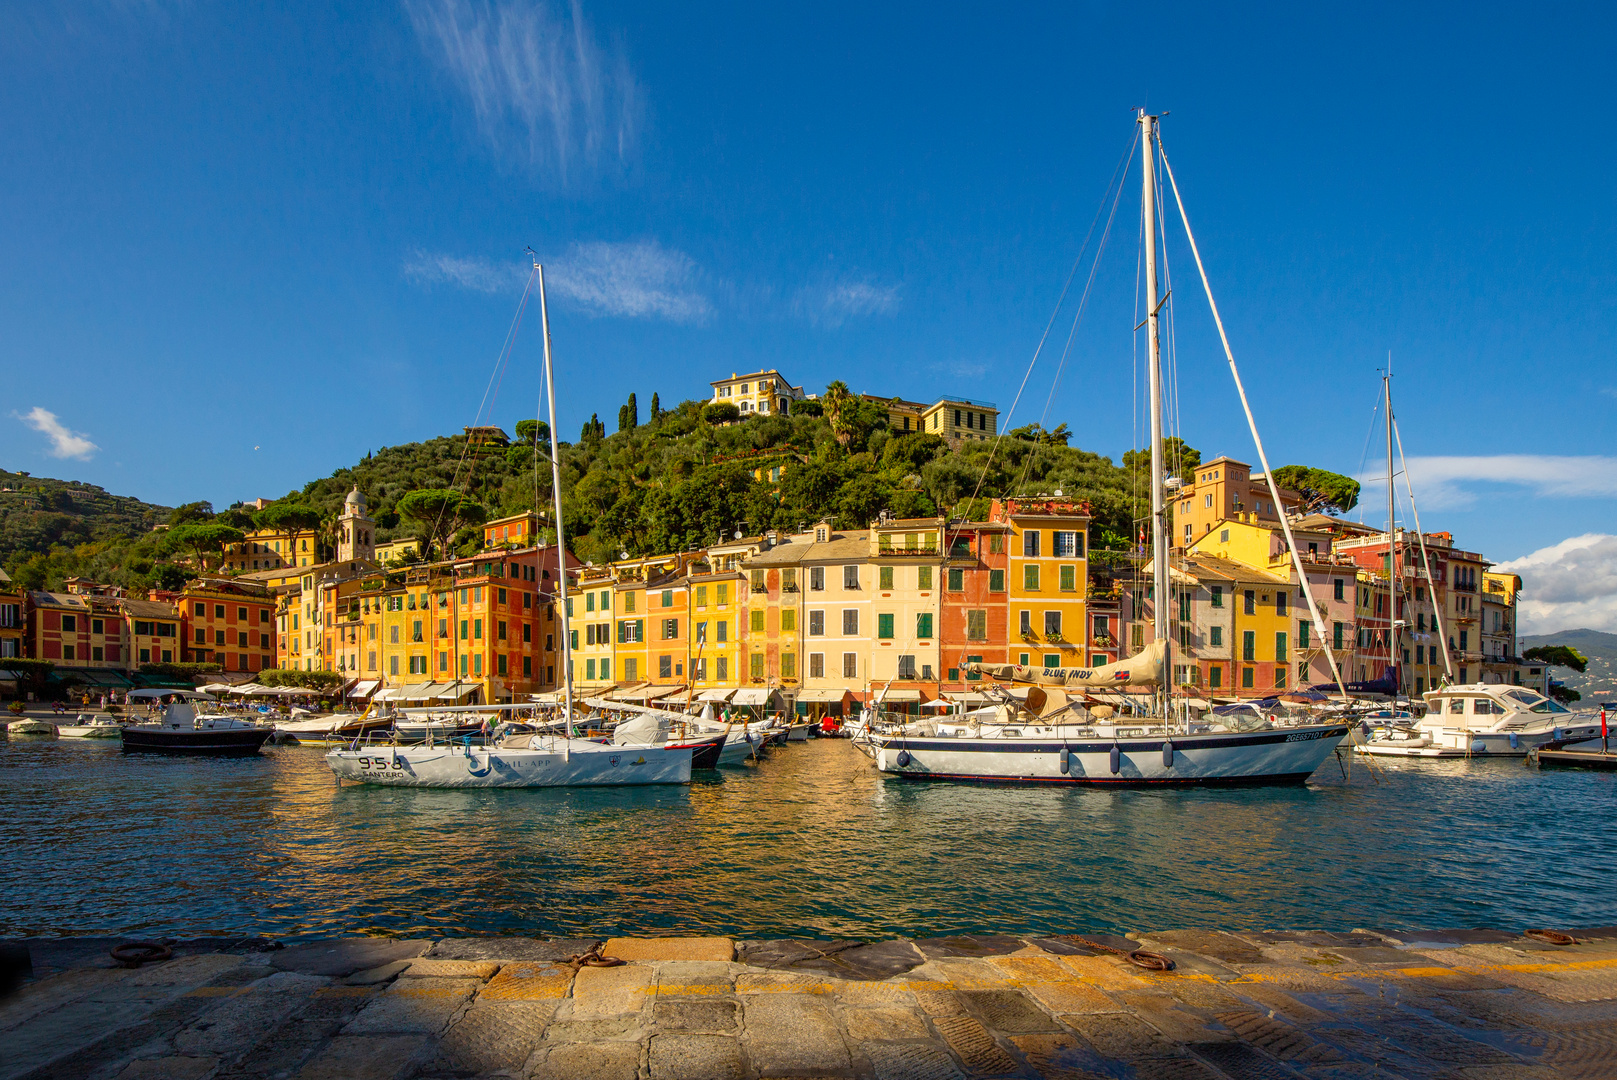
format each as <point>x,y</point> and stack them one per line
<point>974,617</point>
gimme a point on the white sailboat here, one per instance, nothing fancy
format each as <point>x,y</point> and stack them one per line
<point>541,760</point>
<point>1052,740</point>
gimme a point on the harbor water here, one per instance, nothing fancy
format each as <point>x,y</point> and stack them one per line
<point>811,842</point>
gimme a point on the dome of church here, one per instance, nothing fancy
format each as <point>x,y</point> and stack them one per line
<point>355,503</point>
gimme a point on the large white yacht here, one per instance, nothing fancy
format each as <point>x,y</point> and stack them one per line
<point>1480,720</point>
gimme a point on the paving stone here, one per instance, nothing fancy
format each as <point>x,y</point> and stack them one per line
<point>366,1057</point>
<point>1323,939</point>
<point>672,948</point>
<point>1170,1018</point>
<point>611,991</point>
<point>506,949</point>
<point>1106,972</point>
<point>492,1038</point>
<point>780,982</point>
<point>49,993</point>
<point>343,957</point>
<point>285,1048</point>
<point>1238,1059</point>
<point>1071,997</point>
<point>1277,999</point>
<point>1064,946</point>
<point>428,967</point>
<point>1277,1038</point>
<point>413,1005</point>
<point>587,1061</point>
<point>689,978</point>
<point>1119,1035</point>
<point>1062,1057</point>
<point>969,945</point>
<point>170,1068</point>
<point>528,982</point>
<point>339,1002</point>
<point>695,1057</point>
<point>901,1061</point>
<point>1175,1068</point>
<point>1213,944</point>
<point>867,992</point>
<point>939,1003</point>
<point>791,1034</point>
<point>185,970</point>
<point>1009,1011</point>
<point>592,1031</point>
<point>784,952</point>
<point>884,1025</point>
<point>377,975</point>
<point>234,1024</point>
<point>973,1044</point>
<point>1200,993</point>
<point>1029,969</point>
<point>713,1016</point>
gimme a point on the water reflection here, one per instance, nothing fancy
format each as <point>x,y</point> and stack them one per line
<point>812,842</point>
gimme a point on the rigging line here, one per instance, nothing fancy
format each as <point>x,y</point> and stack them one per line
<point>1122,167</point>
<point>500,362</point>
<point>1171,385</point>
<point>1364,455</point>
<point>1425,560</point>
<point>1263,458</point>
<point>1077,317</point>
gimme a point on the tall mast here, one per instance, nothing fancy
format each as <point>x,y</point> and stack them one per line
<point>561,539</point>
<point>1392,554</point>
<point>1159,525</point>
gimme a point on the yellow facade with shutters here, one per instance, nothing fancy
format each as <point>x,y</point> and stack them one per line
<point>1048,577</point>
<point>906,603</point>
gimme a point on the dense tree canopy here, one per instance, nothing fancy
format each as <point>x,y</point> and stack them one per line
<point>1323,492</point>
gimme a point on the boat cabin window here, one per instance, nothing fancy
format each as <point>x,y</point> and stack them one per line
<point>1545,705</point>
<point>1484,706</point>
<point>1456,705</point>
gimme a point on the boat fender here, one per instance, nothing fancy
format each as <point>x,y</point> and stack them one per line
<point>1364,728</point>
<point>1117,760</point>
<point>1066,761</point>
<point>1556,735</point>
<point>1515,743</point>
<point>1478,746</point>
<point>903,758</point>
<point>1167,755</point>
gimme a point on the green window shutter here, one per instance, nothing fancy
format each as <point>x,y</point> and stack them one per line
<point>884,626</point>
<point>757,621</point>
<point>1052,660</point>
<point>923,577</point>
<point>886,577</point>
<point>996,581</point>
<point>1249,645</point>
<point>1068,578</point>
<point>923,625</point>
<point>957,579</point>
<point>1280,646</point>
<point>1030,577</point>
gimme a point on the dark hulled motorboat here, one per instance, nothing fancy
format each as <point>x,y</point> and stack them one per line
<point>181,731</point>
<point>705,751</point>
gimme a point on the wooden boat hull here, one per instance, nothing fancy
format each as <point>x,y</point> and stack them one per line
<point>588,765</point>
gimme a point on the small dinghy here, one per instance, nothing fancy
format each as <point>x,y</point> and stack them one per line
<point>30,726</point>
<point>91,727</point>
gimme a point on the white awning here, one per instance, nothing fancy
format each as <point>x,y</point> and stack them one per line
<point>422,691</point>
<point>364,688</point>
<point>714,695</point>
<point>970,698</point>
<point>753,695</point>
<point>898,697</point>
<point>549,697</point>
<point>390,693</point>
<point>821,694</point>
<point>455,691</point>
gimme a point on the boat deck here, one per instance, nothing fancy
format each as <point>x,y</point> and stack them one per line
<point>1467,1003</point>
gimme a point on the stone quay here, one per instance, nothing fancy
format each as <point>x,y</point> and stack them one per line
<point>1460,1004</point>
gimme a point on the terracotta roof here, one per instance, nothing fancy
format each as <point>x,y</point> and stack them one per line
<point>150,609</point>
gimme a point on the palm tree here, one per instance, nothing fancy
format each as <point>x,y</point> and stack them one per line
<point>837,401</point>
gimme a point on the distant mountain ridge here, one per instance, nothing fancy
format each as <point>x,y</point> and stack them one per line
<point>1599,683</point>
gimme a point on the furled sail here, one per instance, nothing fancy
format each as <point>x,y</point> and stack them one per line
<point>1144,668</point>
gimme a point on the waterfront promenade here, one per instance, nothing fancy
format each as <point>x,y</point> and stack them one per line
<point>1478,1005</point>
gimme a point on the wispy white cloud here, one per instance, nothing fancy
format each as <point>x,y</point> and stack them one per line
<point>1568,586</point>
<point>1451,482</point>
<point>639,279</point>
<point>538,83</point>
<point>834,304</point>
<point>1609,391</point>
<point>64,443</point>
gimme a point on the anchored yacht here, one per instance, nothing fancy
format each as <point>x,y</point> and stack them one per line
<point>1479,720</point>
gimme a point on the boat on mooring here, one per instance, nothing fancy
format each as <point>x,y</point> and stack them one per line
<point>1050,738</point>
<point>181,731</point>
<point>1481,720</point>
<point>28,725</point>
<point>91,727</point>
<point>523,759</point>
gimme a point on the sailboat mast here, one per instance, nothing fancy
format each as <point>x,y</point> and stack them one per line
<point>1392,554</point>
<point>561,539</point>
<point>1159,525</point>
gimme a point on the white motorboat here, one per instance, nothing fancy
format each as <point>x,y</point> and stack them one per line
<point>1480,720</point>
<point>91,727</point>
<point>30,726</point>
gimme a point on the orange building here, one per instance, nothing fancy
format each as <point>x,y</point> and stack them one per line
<point>229,623</point>
<point>975,615</point>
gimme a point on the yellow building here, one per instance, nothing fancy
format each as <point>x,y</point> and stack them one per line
<point>762,392</point>
<point>906,555</point>
<point>629,628</point>
<point>404,550</point>
<point>715,643</point>
<point>1224,489</point>
<point>1049,578</point>
<point>11,620</point>
<point>591,622</point>
<point>959,420</point>
<point>270,549</point>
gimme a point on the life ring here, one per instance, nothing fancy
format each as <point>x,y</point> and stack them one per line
<point>132,954</point>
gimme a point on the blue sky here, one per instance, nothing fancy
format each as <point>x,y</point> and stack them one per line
<point>242,246</point>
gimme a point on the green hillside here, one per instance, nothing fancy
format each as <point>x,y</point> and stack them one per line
<point>684,478</point>
<point>1599,683</point>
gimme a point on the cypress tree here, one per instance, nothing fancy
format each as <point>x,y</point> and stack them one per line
<point>656,408</point>
<point>632,410</point>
